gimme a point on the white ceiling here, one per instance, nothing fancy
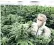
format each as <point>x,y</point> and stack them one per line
<point>28,2</point>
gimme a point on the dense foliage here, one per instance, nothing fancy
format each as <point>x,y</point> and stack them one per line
<point>14,20</point>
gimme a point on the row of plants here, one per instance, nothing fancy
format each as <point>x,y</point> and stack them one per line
<point>14,25</point>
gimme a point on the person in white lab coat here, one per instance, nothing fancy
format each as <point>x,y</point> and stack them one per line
<point>38,28</point>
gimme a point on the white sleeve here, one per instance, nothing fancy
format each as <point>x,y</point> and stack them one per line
<point>47,33</point>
